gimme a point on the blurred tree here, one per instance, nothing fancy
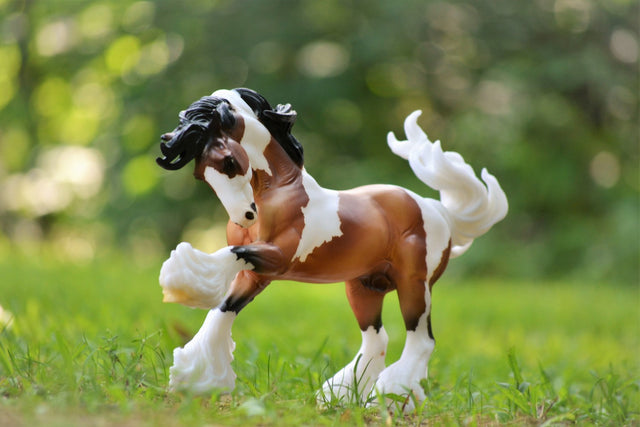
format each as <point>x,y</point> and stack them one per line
<point>543,93</point>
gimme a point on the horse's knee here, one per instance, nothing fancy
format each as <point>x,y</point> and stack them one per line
<point>243,290</point>
<point>265,258</point>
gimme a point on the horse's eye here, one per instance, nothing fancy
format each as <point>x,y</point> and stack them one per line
<point>229,165</point>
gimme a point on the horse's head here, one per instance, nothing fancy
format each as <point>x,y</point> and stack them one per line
<point>227,134</point>
<point>210,132</point>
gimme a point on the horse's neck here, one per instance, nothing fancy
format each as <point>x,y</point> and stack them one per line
<point>281,171</point>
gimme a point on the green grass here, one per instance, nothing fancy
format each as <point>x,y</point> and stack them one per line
<point>92,344</point>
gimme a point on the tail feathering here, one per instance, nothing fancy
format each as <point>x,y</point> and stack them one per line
<point>473,206</point>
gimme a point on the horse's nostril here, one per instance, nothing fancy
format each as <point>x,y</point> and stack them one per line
<point>249,215</point>
<point>253,206</point>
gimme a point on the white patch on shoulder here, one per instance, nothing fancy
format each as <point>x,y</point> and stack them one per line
<point>321,219</point>
<point>256,137</point>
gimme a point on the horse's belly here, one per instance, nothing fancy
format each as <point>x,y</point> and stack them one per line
<point>338,269</point>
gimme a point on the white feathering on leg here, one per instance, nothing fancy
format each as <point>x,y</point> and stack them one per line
<point>197,279</point>
<point>404,376</point>
<point>358,377</point>
<point>204,364</point>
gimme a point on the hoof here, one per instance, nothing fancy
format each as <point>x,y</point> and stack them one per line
<point>400,388</point>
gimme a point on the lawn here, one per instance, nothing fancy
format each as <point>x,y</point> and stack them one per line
<point>92,344</point>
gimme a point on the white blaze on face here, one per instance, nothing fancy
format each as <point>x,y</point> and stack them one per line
<point>235,194</point>
<point>256,137</point>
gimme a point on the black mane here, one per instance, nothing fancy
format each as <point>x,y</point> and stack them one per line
<point>278,121</point>
<point>191,136</point>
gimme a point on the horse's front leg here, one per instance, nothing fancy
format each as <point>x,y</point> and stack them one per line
<point>198,279</point>
<point>204,364</point>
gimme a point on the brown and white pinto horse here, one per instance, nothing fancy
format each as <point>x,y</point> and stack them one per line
<point>283,225</point>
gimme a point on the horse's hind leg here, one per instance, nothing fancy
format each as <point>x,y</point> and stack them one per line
<point>355,381</point>
<point>404,376</point>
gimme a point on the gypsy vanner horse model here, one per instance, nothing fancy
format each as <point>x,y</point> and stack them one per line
<point>283,225</point>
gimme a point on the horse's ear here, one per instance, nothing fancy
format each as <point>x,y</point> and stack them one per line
<point>277,120</point>
<point>282,113</point>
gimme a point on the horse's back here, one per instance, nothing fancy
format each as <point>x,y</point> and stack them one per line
<point>390,204</point>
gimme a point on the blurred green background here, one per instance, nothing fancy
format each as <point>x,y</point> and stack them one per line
<point>544,93</point>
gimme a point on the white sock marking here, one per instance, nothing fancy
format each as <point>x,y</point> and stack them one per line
<point>370,362</point>
<point>204,363</point>
<point>406,373</point>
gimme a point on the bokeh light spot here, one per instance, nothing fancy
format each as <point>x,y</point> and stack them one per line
<point>80,126</point>
<point>7,90</point>
<point>621,103</point>
<point>138,133</point>
<point>123,54</point>
<point>95,97</point>
<point>266,57</point>
<point>96,21</point>
<point>52,98</point>
<point>624,46</point>
<point>322,59</point>
<point>9,66</point>
<point>140,175</point>
<point>605,169</point>
<point>14,148</point>
<point>386,79</point>
<point>11,58</point>
<point>139,16</point>
<point>81,169</point>
<point>493,97</point>
<point>573,15</point>
<point>154,57</point>
<point>56,37</point>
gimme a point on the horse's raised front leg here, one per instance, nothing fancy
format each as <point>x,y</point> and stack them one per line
<point>198,279</point>
<point>204,364</point>
<point>355,381</point>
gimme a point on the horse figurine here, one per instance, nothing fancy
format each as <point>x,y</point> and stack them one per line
<point>284,225</point>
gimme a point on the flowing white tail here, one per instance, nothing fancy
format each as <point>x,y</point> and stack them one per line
<point>473,208</point>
